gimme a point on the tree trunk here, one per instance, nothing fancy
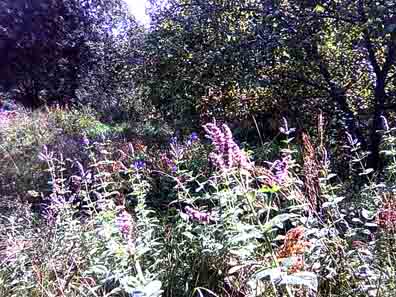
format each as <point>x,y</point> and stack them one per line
<point>375,161</point>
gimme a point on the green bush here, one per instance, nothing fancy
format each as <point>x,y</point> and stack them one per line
<point>24,135</point>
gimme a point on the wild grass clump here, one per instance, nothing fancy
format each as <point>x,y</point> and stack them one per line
<point>199,216</point>
<point>23,134</point>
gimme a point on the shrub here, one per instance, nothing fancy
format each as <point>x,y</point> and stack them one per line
<point>25,133</point>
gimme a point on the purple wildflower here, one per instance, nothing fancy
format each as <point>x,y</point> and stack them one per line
<point>168,163</point>
<point>85,141</point>
<point>124,222</point>
<point>6,116</point>
<point>217,160</point>
<point>139,164</point>
<point>173,140</point>
<point>227,153</point>
<point>192,138</point>
<point>50,216</point>
<point>196,215</point>
<point>171,165</point>
<point>280,169</point>
<point>215,134</point>
<point>137,294</point>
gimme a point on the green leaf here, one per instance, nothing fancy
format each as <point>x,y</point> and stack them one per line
<point>319,8</point>
<point>268,189</point>
<point>153,289</point>
<point>366,171</point>
<point>99,270</point>
<point>251,196</point>
<point>189,235</point>
<point>273,274</point>
<point>278,221</point>
<point>304,278</point>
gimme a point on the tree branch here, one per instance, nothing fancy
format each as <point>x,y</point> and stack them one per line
<point>391,57</point>
<point>367,40</point>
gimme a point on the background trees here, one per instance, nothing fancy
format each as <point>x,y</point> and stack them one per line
<point>48,47</point>
<point>199,60</point>
<point>294,58</point>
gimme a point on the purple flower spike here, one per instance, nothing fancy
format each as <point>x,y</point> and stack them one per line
<point>124,222</point>
<point>280,169</point>
<point>226,154</point>
<point>196,215</point>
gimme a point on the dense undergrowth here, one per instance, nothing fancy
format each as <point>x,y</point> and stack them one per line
<point>91,209</point>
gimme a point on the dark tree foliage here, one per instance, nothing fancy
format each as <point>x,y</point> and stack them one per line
<point>295,58</point>
<point>109,83</point>
<point>46,46</point>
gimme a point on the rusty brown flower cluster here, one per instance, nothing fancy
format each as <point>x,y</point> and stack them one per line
<point>386,216</point>
<point>294,245</point>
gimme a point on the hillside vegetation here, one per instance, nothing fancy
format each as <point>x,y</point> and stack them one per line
<point>230,148</point>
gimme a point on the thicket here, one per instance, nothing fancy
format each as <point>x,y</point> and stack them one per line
<point>230,148</point>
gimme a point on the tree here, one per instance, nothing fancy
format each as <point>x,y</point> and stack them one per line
<point>47,45</point>
<point>350,45</point>
<point>109,84</point>
<point>197,49</point>
<point>292,57</point>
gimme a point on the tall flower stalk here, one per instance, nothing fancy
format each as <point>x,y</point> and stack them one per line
<point>226,154</point>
